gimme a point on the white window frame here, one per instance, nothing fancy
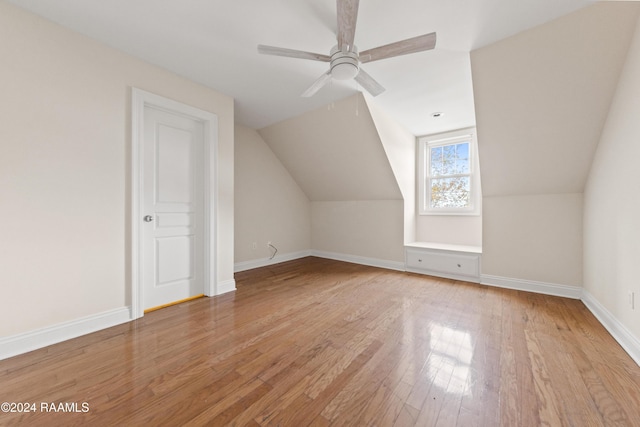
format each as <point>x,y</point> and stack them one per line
<point>425,143</point>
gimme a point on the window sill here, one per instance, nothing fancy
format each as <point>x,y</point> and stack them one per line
<point>444,247</point>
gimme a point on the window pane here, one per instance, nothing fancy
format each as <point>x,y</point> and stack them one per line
<point>436,161</point>
<point>462,158</point>
<point>448,159</point>
<point>450,192</point>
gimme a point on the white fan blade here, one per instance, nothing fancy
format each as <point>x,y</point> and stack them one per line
<point>367,82</point>
<point>292,53</point>
<point>347,17</point>
<point>317,85</point>
<point>415,44</point>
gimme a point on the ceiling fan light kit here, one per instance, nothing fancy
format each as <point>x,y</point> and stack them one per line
<point>344,65</point>
<point>344,59</point>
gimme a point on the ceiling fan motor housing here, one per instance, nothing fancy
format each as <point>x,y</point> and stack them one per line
<point>344,61</point>
<point>344,65</point>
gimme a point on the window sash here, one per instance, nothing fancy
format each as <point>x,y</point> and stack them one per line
<point>428,177</point>
<point>448,198</point>
<point>448,160</point>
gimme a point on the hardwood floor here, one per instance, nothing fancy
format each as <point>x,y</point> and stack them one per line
<point>319,342</point>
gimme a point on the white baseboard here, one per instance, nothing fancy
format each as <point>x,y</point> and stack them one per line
<point>263,262</point>
<point>618,331</point>
<point>226,286</point>
<point>29,341</point>
<point>355,259</point>
<point>574,292</point>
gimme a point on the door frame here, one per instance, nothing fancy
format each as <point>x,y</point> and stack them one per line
<point>141,99</point>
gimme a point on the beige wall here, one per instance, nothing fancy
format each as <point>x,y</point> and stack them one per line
<point>542,98</point>
<point>269,204</point>
<point>363,228</point>
<point>612,203</point>
<point>400,146</point>
<point>537,238</point>
<point>463,230</point>
<point>65,171</point>
<point>336,156</point>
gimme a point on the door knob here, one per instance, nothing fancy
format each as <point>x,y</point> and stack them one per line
<point>148,218</point>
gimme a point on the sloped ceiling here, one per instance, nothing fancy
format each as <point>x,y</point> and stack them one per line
<point>542,97</point>
<point>334,153</point>
<point>213,42</point>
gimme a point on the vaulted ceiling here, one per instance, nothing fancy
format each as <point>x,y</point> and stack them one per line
<point>335,153</point>
<point>213,42</point>
<point>543,96</point>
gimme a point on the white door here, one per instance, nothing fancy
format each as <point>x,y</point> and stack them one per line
<point>172,214</point>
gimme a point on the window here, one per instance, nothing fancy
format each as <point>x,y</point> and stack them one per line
<point>448,174</point>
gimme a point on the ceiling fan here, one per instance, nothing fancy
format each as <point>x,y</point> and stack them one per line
<point>345,59</point>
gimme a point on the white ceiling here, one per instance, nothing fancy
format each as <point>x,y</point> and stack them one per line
<point>213,42</point>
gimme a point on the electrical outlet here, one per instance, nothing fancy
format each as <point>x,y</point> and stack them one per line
<point>632,302</point>
<point>269,243</point>
<point>254,245</point>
